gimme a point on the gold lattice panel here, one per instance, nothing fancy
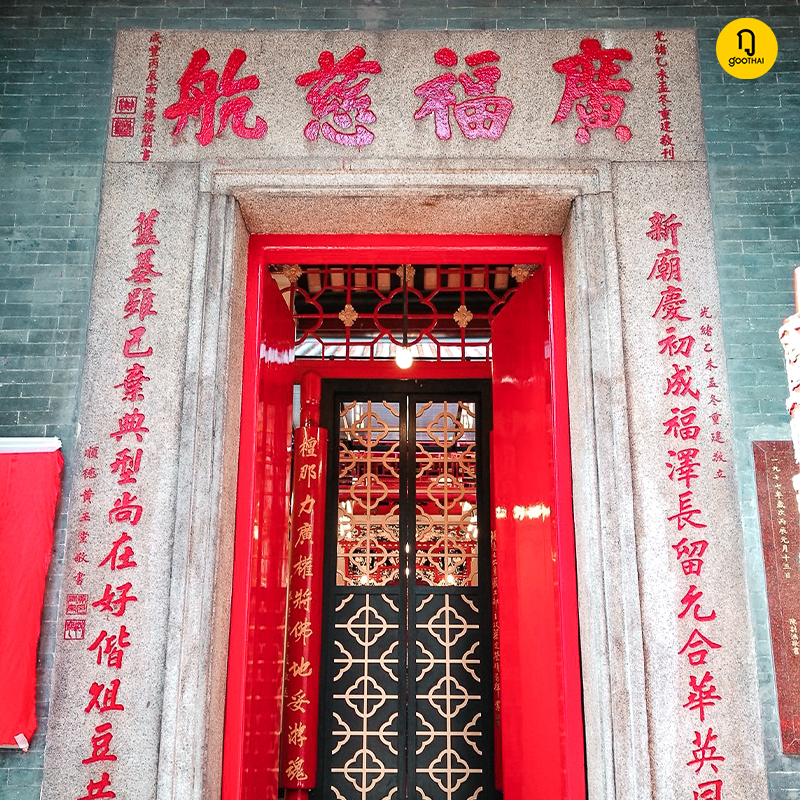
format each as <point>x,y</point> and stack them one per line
<point>368,502</point>
<point>445,499</point>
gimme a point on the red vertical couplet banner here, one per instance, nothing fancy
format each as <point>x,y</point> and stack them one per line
<point>304,618</point>
<point>29,488</point>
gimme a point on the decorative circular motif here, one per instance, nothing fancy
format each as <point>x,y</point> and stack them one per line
<point>448,697</point>
<point>365,696</point>
<point>452,769</point>
<point>447,626</point>
<point>368,631</point>
<point>363,771</point>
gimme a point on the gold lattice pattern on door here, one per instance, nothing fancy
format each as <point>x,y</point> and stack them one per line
<point>369,494</point>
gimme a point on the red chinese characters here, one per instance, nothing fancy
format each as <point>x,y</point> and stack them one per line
<point>702,695</point>
<point>140,303</point>
<point>132,384</point>
<point>690,554</point>
<point>99,790</point>
<point>710,790</point>
<point>483,115</point>
<point>682,423</point>
<point>298,759</point>
<point>125,510</point>
<point>660,59</point>
<point>77,605</point>
<point>126,464</point>
<point>337,92</point>
<point>121,554</point>
<point>663,227</point>
<point>200,91</point>
<point>705,753</point>
<point>111,564</point>
<point>697,648</point>
<point>115,601</point>
<point>104,699</point>
<point>683,465</point>
<point>75,629</point>
<point>125,125</point>
<point>680,382</point>
<point>590,75</point>
<point>101,745</point>
<point>687,467</point>
<point>143,229</point>
<point>110,647</point>
<point>686,513</point>
<point>133,348</point>
<point>125,104</point>
<point>151,90</point>
<point>130,423</point>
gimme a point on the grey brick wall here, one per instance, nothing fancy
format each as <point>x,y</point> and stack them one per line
<point>55,72</point>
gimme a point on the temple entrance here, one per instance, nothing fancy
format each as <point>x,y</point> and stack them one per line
<point>407,657</point>
<point>407,671</point>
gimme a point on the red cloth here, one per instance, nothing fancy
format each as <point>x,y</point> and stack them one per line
<point>29,488</point>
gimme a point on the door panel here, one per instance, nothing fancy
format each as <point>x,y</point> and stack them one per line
<point>364,703</point>
<point>444,491</point>
<point>537,591</point>
<point>368,492</point>
<point>407,712</point>
<point>258,602</point>
<point>449,692</point>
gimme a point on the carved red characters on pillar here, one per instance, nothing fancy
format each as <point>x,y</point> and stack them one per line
<point>298,768</point>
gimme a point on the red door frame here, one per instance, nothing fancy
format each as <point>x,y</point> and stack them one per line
<point>259,571</point>
<point>568,774</point>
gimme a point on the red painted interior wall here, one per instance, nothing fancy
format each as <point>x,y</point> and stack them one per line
<point>540,689</point>
<point>258,607</point>
<point>542,725</point>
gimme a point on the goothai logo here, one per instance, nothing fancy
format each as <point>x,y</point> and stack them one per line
<point>746,48</point>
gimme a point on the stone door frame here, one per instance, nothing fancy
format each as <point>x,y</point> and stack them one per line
<point>511,197</point>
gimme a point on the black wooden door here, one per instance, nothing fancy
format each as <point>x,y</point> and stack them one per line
<point>407,706</point>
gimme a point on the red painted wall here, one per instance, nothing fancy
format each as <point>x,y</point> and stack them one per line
<point>258,610</point>
<point>541,713</point>
<point>540,690</point>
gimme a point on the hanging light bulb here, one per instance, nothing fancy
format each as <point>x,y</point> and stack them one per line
<point>403,357</point>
